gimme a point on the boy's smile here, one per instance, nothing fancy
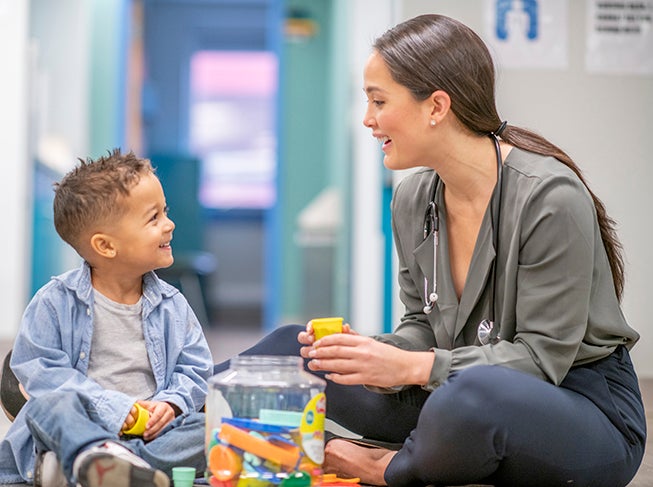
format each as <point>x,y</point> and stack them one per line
<point>142,236</point>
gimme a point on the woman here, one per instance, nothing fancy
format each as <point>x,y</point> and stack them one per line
<point>510,365</point>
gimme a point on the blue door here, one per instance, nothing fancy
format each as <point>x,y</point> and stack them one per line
<point>209,110</point>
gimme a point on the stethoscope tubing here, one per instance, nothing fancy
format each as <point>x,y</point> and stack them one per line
<point>487,331</point>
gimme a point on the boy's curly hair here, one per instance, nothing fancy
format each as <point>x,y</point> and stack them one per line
<point>90,193</point>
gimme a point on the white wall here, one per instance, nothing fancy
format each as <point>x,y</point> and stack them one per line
<point>43,95</point>
<point>14,196</point>
<point>604,122</point>
<point>60,36</point>
<point>368,19</point>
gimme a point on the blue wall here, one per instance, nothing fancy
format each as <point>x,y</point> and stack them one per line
<point>304,138</point>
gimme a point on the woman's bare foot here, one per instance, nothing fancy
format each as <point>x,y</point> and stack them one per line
<point>348,460</point>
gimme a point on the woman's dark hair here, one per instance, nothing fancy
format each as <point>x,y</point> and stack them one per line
<point>435,52</point>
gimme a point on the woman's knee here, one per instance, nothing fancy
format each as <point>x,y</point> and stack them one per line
<point>280,341</point>
<point>460,419</point>
<point>286,335</point>
<point>468,396</point>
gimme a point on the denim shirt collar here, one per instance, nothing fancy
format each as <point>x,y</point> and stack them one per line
<point>79,281</point>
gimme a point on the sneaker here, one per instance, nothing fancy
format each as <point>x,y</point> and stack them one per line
<point>48,471</point>
<point>113,465</point>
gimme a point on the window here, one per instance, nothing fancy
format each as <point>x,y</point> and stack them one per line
<point>232,127</point>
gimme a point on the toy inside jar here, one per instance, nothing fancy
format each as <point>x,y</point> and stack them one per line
<point>265,424</point>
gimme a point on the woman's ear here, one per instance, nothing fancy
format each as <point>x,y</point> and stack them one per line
<point>439,104</point>
<point>102,245</point>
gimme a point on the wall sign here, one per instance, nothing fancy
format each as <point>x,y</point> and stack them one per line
<point>527,33</point>
<point>619,36</point>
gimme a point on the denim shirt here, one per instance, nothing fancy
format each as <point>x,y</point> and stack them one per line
<point>52,348</point>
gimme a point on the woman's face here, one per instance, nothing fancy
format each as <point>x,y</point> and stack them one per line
<point>398,121</point>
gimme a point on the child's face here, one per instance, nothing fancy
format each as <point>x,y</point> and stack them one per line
<point>143,234</point>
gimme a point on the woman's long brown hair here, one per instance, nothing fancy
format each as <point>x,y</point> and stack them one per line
<point>435,52</point>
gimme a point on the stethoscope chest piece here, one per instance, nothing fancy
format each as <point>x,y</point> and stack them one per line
<point>485,333</point>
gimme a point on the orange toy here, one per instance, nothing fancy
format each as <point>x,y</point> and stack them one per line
<point>259,447</point>
<point>224,463</point>
<point>332,480</point>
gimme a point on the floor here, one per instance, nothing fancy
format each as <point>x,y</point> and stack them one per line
<point>227,341</point>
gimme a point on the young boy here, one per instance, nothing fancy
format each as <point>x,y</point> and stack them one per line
<point>98,340</point>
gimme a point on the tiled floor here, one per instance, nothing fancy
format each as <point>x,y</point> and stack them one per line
<point>225,342</point>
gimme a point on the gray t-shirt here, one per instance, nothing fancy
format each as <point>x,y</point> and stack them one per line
<point>118,359</point>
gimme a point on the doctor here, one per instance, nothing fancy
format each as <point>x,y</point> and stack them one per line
<point>511,363</point>
<point>513,344</point>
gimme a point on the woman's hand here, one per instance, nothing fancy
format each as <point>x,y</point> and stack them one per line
<point>308,337</point>
<point>353,359</point>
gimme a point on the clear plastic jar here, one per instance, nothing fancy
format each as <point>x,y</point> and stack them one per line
<point>265,423</point>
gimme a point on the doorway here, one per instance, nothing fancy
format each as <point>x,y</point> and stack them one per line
<point>209,107</point>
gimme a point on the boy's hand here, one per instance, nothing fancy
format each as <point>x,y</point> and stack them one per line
<point>130,420</point>
<point>161,413</point>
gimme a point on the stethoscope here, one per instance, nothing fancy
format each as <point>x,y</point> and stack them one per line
<point>487,332</point>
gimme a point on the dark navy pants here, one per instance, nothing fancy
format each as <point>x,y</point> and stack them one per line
<point>494,425</point>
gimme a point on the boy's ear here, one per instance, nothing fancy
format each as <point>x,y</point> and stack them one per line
<point>102,245</point>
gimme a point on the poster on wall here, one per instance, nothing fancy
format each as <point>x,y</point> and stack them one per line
<point>619,37</point>
<point>527,33</point>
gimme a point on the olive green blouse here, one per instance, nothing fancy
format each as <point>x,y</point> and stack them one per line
<point>555,300</point>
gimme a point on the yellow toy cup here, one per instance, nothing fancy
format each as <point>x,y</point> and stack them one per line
<point>326,326</point>
<point>141,421</point>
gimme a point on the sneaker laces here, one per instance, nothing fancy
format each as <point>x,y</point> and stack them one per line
<point>113,449</point>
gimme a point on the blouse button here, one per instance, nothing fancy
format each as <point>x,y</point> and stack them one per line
<point>82,355</point>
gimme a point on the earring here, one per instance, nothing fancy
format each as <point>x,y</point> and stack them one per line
<point>432,123</point>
